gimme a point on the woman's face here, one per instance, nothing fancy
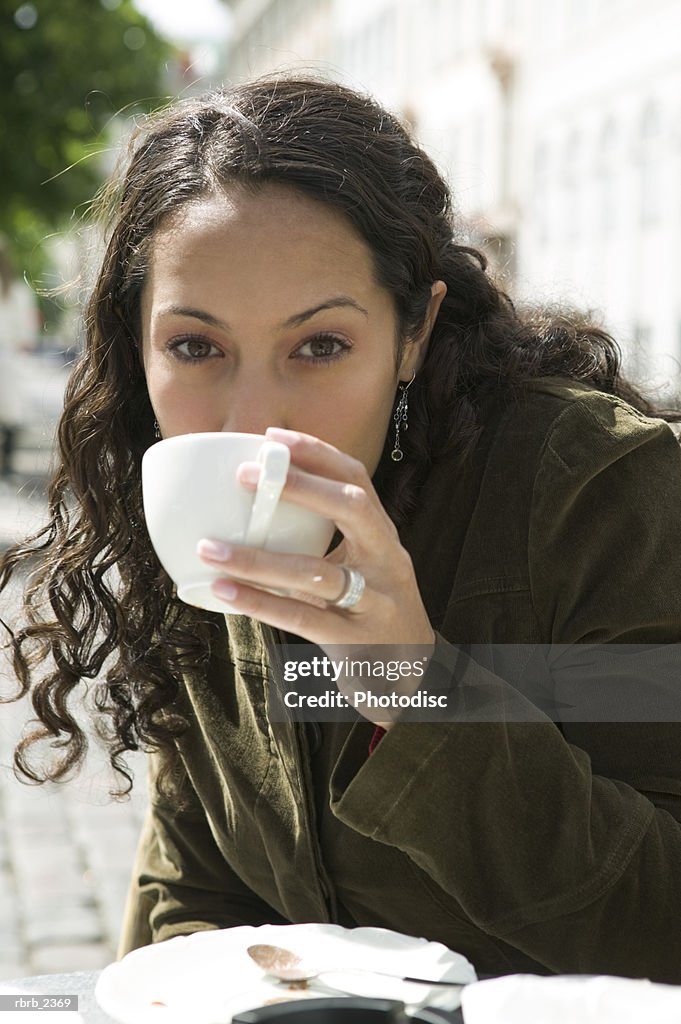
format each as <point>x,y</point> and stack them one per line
<point>261,310</point>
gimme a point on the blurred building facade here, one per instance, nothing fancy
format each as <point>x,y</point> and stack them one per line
<point>557,124</point>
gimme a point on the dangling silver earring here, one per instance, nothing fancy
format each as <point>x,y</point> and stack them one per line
<point>157,431</point>
<point>400,418</point>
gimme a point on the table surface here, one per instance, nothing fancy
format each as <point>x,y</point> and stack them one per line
<point>78,983</point>
<point>82,984</point>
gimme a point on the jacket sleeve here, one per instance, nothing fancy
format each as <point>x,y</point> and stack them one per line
<point>574,858</point>
<point>181,881</point>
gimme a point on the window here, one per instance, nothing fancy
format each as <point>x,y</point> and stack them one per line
<point>649,164</point>
<point>605,170</point>
<point>571,191</point>
<point>540,191</point>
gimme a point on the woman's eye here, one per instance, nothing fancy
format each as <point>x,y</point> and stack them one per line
<point>193,350</point>
<point>323,348</point>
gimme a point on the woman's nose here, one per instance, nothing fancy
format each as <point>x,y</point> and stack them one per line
<point>253,410</point>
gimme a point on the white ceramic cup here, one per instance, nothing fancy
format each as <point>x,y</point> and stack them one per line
<point>190,491</point>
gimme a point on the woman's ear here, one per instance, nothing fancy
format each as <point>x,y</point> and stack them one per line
<point>415,349</point>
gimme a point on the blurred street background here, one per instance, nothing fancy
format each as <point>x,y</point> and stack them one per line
<point>558,125</point>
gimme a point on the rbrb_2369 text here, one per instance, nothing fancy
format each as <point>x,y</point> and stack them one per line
<point>17,1001</point>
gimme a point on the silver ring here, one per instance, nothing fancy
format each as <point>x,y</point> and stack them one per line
<point>353,590</point>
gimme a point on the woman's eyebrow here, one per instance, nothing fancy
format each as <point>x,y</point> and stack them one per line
<point>338,301</point>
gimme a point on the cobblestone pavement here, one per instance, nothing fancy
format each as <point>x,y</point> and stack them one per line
<point>65,850</point>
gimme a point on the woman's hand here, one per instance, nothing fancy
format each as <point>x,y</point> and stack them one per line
<point>337,486</point>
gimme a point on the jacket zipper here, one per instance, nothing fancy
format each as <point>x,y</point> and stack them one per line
<point>273,637</point>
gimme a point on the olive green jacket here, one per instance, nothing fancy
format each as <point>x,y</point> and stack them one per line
<point>526,845</point>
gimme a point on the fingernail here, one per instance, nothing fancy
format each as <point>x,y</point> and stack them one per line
<point>225,590</point>
<point>214,549</point>
<point>248,473</point>
<point>279,434</point>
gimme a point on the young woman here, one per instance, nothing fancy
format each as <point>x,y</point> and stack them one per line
<point>283,258</point>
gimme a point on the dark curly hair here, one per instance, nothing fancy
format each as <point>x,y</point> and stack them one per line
<point>97,603</point>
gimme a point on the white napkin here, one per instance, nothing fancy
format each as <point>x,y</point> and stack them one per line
<point>564,999</point>
<point>209,976</point>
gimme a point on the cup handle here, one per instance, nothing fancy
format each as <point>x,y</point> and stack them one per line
<point>274,459</point>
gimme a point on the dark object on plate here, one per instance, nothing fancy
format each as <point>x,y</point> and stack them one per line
<point>327,1011</point>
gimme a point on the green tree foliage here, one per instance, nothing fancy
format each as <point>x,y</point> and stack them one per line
<point>67,68</point>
